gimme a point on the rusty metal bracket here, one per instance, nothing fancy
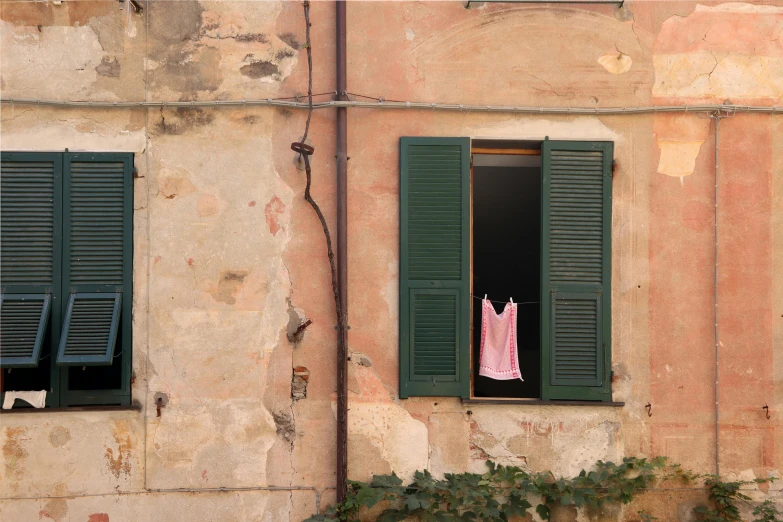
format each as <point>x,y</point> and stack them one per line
<point>765,407</point>
<point>302,148</point>
<point>648,407</point>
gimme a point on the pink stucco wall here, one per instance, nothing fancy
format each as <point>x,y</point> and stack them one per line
<point>228,255</point>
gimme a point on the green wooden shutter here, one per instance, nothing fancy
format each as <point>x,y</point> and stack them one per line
<point>90,326</point>
<point>434,267</point>
<point>576,270</point>
<point>97,257</point>
<point>30,240</point>
<point>23,322</point>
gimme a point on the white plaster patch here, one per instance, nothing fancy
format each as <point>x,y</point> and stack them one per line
<point>391,293</point>
<point>739,7</point>
<point>409,34</point>
<point>616,63</point>
<point>53,62</point>
<point>401,440</point>
<point>576,440</point>
<point>718,75</point>
<point>678,158</point>
<point>579,128</point>
<point>21,132</point>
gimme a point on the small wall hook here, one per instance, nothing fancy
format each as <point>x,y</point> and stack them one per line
<point>766,408</point>
<point>648,407</point>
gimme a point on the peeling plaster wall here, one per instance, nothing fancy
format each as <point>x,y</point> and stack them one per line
<point>229,259</point>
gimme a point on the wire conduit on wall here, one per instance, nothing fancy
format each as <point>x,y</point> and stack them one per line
<point>271,102</point>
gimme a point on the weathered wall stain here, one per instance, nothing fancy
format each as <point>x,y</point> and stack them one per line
<point>616,63</point>
<point>228,285</point>
<point>121,464</point>
<point>173,184</point>
<point>272,210</point>
<point>259,69</point>
<point>208,205</point>
<point>109,67</point>
<point>182,120</point>
<point>56,509</point>
<point>290,39</point>
<point>59,436</point>
<point>14,453</point>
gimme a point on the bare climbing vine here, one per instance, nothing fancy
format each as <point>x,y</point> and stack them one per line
<point>306,151</point>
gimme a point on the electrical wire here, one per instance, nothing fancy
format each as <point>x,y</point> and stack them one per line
<point>502,302</point>
<point>458,107</point>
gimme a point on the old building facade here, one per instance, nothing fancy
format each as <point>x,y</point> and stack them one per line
<point>225,410</point>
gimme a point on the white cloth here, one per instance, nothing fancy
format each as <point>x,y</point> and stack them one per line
<point>36,399</point>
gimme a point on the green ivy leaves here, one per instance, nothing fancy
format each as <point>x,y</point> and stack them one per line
<point>506,491</point>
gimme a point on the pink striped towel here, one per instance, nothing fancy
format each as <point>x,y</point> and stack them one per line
<point>498,357</point>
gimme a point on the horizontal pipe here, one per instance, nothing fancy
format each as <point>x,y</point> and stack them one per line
<point>615,2</point>
<point>182,490</point>
<point>729,109</point>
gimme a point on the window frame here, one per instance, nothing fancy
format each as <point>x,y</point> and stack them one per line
<point>579,393</point>
<point>59,396</point>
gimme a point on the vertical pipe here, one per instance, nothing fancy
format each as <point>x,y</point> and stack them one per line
<point>717,117</point>
<point>342,255</point>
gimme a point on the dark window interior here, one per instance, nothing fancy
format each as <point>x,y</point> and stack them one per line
<point>507,261</point>
<point>99,377</point>
<point>31,379</point>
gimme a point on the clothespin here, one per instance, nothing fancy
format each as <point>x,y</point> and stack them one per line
<point>485,297</point>
<point>511,299</point>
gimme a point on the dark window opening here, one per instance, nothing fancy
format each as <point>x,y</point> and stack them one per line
<point>507,259</point>
<point>98,377</point>
<point>31,379</point>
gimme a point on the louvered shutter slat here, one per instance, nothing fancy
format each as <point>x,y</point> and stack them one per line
<point>97,221</point>
<point>23,322</point>
<point>27,220</point>
<point>434,267</point>
<point>576,270</point>
<point>30,184</point>
<point>90,329</point>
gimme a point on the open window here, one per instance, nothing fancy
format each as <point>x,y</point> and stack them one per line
<point>524,220</point>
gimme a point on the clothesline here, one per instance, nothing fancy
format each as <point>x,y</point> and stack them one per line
<point>502,302</point>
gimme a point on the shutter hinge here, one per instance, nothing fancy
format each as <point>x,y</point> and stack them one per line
<point>434,381</point>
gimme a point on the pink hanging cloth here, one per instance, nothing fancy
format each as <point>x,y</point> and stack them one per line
<point>498,357</point>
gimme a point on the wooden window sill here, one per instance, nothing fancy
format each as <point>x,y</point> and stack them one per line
<point>539,402</point>
<point>132,407</point>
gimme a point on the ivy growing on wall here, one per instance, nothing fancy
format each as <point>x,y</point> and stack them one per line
<point>506,491</point>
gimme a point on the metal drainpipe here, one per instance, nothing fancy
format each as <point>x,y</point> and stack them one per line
<point>342,255</point>
<point>717,117</point>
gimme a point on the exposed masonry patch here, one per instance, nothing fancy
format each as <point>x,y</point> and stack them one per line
<point>59,436</point>
<point>360,358</point>
<point>282,54</point>
<point>296,319</point>
<point>252,37</point>
<point>228,286</point>
<point>284,425</point>
<point>183,119</point>
<point>299,383</point>
<point>109,68</point>
<point>290,39</point>
<point>260,69</point>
